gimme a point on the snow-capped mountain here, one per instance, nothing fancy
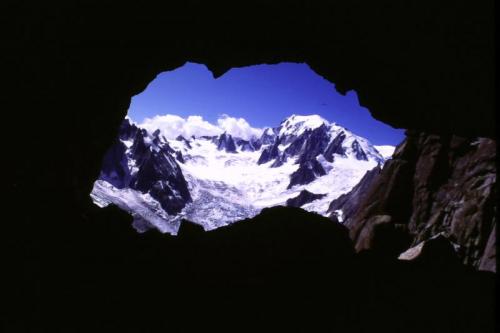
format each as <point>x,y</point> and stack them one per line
<point>217,180</point>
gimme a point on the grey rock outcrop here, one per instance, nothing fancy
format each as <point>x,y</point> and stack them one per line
<point>432,185</point>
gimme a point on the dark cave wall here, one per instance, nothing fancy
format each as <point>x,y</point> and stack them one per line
<point>427,67</point>
<point>432,185</point>
<point>70,72</point>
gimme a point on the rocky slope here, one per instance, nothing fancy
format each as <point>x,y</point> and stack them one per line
<point>433,185</point>
<point>144,162</point>
<point>345,206</point>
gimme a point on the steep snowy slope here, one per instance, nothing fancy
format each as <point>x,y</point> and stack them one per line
<point>229,179</point>
<point>386,151</point>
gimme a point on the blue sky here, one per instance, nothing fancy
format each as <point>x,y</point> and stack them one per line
<point>263,95</point>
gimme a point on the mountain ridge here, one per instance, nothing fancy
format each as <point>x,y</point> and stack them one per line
<point>217,180</point>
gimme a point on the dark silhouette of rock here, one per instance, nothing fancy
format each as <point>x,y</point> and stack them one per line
<point>260,250</point>
<point>303,198</point>
<point>306,173</point>
<point>383,235</point>
<point>437,251</point>
<point>189,230</point>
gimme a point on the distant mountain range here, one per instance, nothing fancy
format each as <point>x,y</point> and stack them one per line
<point>306,161</point>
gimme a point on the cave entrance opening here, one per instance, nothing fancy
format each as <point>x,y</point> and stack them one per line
<point>216,151</point>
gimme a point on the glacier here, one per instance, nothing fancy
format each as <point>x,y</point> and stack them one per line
<point>224,179</point>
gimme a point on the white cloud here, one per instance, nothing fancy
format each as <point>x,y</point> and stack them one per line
<point>237,127</point>
<point>172,126</point>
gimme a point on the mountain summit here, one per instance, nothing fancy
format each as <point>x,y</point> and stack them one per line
<point>217,180</point>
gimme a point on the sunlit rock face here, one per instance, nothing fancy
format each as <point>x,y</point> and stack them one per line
<point>433,185</point>
<point>217,180</point>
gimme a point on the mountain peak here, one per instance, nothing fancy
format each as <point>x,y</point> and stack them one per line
<point>305,118</point>
<point>227,177</point>
<point>297,124</point>
<point>267,131</point>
